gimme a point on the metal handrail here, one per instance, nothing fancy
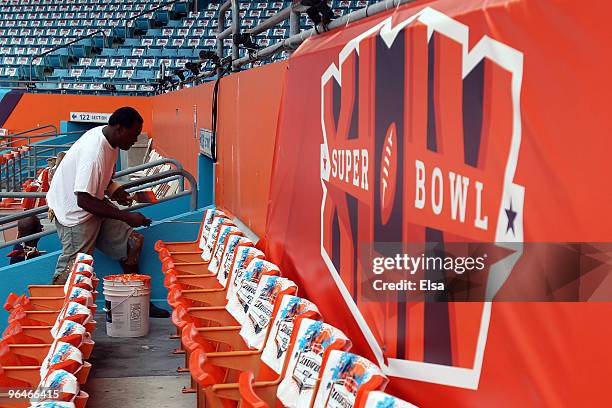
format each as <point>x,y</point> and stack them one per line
<point>144,182</point>
<point>8,144</point>
<point>149,165</point>
<point>63,88</point>
<point>295,37</point>
<point>296,40</point>
<point>220,24</point>
<point>42,54</point>
<point>32,130</point>
<point>159,176</point>
<point>23,214</point>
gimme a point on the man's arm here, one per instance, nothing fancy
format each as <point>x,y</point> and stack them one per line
<point>102,209</point>
<point>115,192</point>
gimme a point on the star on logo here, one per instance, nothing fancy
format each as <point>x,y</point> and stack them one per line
<point>511,214</point>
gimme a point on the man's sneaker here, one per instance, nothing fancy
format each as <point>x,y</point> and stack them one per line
<point>155,311</point>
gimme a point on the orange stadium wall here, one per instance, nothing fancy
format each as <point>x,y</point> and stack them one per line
<point>35,110</point>
<point>248,113</point>
<point>249,103</point>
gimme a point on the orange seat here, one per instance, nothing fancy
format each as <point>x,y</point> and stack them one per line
<point>197,261</point>
<point>310,341</point>
<point>168,249</point>
<point>272,303</point>
<point>266,364</point>
<point>223,324</point>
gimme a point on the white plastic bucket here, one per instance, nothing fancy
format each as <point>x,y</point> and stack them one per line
<point>127,300</point>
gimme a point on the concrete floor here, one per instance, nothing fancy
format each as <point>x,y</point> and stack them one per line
<point>138,392</point>
<point>137,372</point>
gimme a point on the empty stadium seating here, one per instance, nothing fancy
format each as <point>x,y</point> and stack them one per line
<point>130,53</point>
<point>247,335</point>
<point>48,339</point>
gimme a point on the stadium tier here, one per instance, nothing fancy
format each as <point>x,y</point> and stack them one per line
<point>132,43</point>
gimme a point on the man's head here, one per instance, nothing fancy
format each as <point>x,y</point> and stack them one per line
<point>126,125</point>
<point>29,226</point>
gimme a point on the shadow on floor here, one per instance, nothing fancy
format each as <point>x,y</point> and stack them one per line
<point>137,372</point>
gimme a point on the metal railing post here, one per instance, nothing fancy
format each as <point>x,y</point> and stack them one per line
<point>31,151</point>
<point>34,148</point>
<point>294,41</point>
<point>220,28</point>
<point>6,173</point>
<point>235,29</point>
<point>13,179</point>
<point>20,170</point>
<point>294,23</point>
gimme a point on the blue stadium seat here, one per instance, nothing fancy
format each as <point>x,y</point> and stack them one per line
<point>131,42</point>
<point>142,24</point>
<point>180,9</point>
<point>121,31</point>
<point>59,58</point>
<point>124,51</point>
<point>162,17</point>
<point>46,85</point>
<point>81,50</point>
<point>100,41</point>
<point>188,53</point>
<point>155,32</point>
<point>154,52</point>
<point>59,74</point>
<point>169,53</point>
<point>109,52</point>
<point>93,72</point>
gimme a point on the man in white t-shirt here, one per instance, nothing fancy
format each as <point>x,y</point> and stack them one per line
<point>85,219</point>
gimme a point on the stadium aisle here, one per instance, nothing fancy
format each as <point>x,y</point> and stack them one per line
<point>137,372</point>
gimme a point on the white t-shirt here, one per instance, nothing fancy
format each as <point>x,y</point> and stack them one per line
<point>87,167</point>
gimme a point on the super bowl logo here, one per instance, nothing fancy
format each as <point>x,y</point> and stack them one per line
<point>309,355</point>
<point>421,134</point>
<point>346,380</point>
<point>261,313</point>
<point>295,307</point>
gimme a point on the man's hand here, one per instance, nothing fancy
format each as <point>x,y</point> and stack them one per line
<point>121,197</point>
<point>104,209</point>
<point>135,220</point>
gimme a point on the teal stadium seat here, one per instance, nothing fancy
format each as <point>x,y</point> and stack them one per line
<point>121,31</point>
<point>59,74</point>
<point>141,25</point>
<point>154,52</point>
<point>109,52</point>
<point>187,53</point>
<point>59,58</point>
<point>180,9</point>
<point>82,50</point>
<point>169,53</point>
<point>131,42</point>
<point>162,17</point>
